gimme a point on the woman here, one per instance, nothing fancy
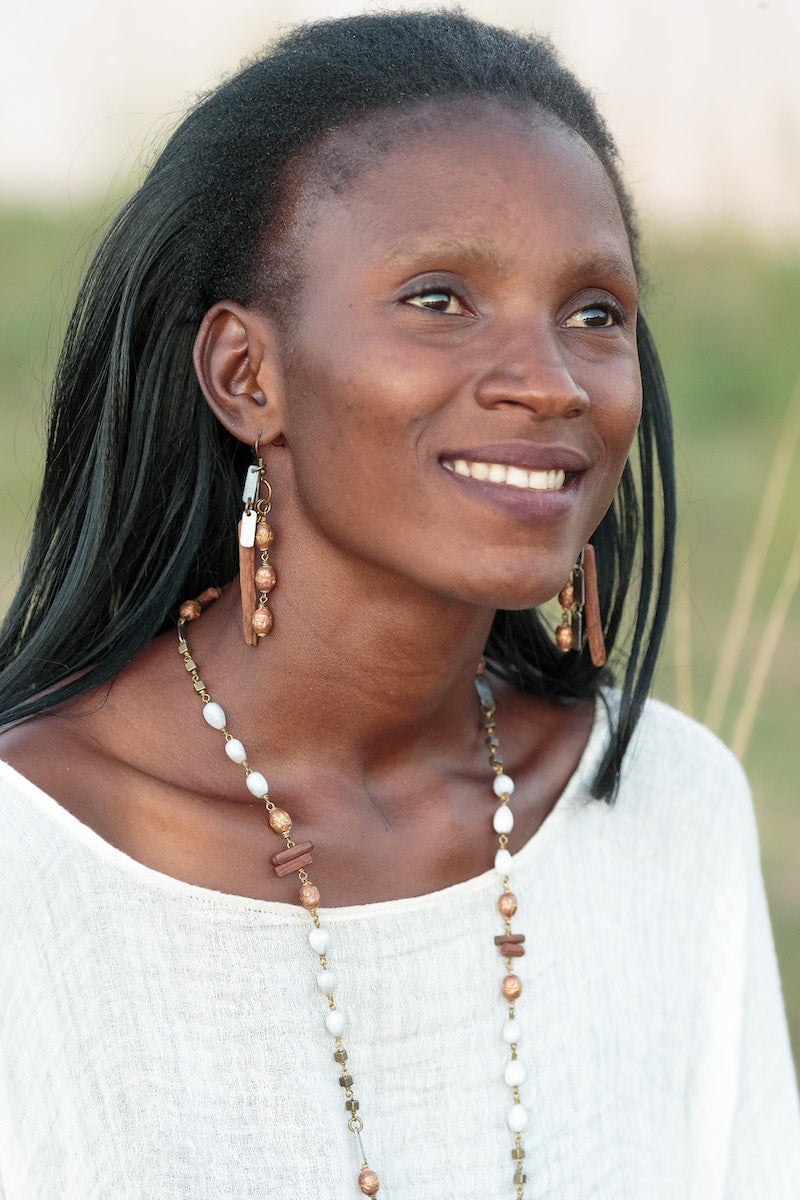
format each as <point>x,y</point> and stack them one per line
<point>387,277</point>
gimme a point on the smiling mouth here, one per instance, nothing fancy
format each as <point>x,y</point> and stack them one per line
<point>515,477</point>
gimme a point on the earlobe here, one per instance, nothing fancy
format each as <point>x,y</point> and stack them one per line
<point>234,359</point>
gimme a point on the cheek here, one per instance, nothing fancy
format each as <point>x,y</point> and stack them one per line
<point>622,414</point>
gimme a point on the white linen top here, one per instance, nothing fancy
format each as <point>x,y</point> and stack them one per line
<point>161,1041</point>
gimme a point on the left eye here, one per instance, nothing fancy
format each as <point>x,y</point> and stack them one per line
<point>595,316</point>
<point>437,301</point>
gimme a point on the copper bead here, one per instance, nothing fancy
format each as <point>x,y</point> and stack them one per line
<point>265,577</point>
<point>566,597</point>
<point>309,895</point>
<point>264,535</point>
<point>280,821</point>
<point>190,610</point>
<point>507,904</point>
<point>368,1182</point>
<point>511,987</point>
<point>262,621</point>
<point>564,637</point>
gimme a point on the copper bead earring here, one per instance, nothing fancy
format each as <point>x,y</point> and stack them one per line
<point>255,532</point>
<point>579,599</point>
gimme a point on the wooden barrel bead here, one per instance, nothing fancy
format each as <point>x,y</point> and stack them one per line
<point>507,905</point>
<point>262,622</point>
<point>309,896</point>
<point>280,821</point>
<point>265,577</point>
<point>368,1182</point>
<point>511,987</point>
<point>264,535</point>
<point>503,938</point>
<point>511,950</point>
<point>292,859</point>
<point>208,596</point>
<point>564,637</point>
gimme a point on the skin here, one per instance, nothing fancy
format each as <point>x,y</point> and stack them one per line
<point>467,293</point>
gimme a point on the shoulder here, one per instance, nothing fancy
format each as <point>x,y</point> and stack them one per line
<point>683,786</point>
<point>27,818</point>
<point>674,751</point>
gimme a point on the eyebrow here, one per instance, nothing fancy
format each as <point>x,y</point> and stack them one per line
<point>480,252</point>
<point>484,252</point>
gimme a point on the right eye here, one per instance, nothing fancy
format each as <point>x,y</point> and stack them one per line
<point>438,300</point>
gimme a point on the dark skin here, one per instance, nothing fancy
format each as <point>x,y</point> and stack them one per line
<point>467,296</point>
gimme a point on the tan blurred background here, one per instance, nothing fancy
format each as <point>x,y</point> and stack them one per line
<point>703,100</point>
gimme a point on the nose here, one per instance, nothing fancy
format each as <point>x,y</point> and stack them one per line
<point>530,370</point>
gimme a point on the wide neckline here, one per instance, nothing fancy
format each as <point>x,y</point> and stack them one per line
<point>575,790</point>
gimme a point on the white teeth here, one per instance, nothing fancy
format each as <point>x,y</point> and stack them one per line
<point>517,477</point>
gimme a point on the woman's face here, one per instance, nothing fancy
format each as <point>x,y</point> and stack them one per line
<point>461,382</point>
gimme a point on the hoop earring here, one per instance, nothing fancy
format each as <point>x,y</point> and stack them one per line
<point>255,532</point>
<point>579,599</point>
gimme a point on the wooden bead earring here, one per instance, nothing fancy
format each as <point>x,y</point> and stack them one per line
<point>579,599</point>
<point>255,532</point>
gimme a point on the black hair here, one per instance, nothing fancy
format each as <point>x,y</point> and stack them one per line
<point>141,483</point>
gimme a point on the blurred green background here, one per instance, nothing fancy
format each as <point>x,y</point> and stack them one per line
<point>725,314</point>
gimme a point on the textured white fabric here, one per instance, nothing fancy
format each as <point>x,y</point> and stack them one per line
<point>164,1042</point>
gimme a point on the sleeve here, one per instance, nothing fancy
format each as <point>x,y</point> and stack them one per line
<point>764,1137</point>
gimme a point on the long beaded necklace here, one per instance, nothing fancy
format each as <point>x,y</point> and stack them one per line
<point>296,856</point>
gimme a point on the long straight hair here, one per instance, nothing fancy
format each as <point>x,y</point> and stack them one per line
<point>141,483</point>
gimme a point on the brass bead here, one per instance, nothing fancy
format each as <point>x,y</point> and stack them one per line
<point>507,905</point>
<point>265,535</point>
<point>368,1182</point>
<point>280,821</point>
<point>351,1106</point>
<point>262,621</point>
<point>511,987</point>
<point>190,610</point>
<point>564,637</point>
<point>566,597</point>
<point>340,1056</point>
<point>309,895</point>
<point>265,577</point>
<point>345,1079</point>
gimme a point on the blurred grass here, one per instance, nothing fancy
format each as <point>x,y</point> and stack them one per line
<point>724,313</point>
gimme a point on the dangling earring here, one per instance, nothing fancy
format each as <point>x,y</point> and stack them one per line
<point>255,532</point>
<point>578,599</point>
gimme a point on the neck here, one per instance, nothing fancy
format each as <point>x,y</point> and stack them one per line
<point>360,680</point>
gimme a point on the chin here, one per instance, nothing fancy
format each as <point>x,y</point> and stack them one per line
<point>517,597</point>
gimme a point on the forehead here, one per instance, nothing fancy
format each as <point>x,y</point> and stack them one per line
<point>457,171</point>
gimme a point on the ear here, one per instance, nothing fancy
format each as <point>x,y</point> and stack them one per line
<point>235,358</point>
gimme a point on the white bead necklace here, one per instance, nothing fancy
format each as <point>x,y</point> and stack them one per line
<point>297,856</point>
